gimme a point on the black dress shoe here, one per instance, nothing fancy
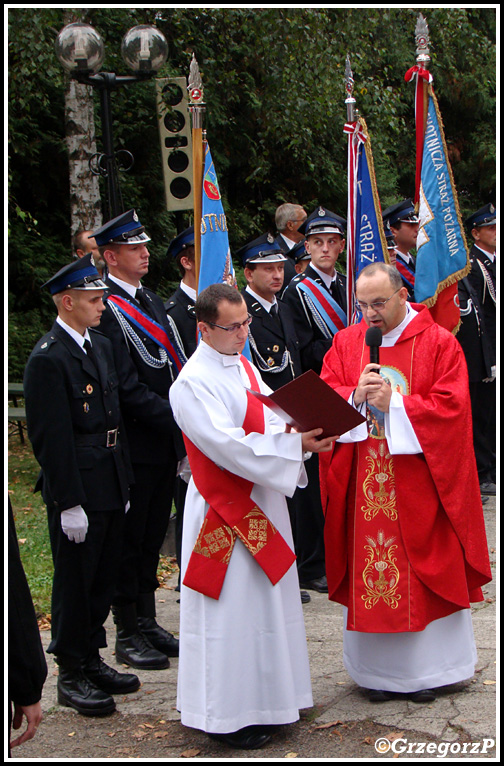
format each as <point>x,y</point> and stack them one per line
<point>76,691</point>
<point>424,695</point>
<point>305,597</point>
<point>159,637</point>
<point>108,679</point>
<point>249,738</point>
<point>488,488</point>
<point>137,651</point>
<point>320,584</point>
<point>379,695</point>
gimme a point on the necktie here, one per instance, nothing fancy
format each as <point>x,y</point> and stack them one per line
<point>143,300</point>
<point>90,353</point>
<point>274,310</point>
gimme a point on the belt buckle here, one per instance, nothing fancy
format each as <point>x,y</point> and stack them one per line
<point>112,437</point>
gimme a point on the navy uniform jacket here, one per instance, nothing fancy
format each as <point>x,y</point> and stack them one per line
<point>313,342</point>
<point>270,339</point>
<point>472,334</point>
<point>483,279</point>
<point>180,308</point>
<point>153,435</point>
<point>403,267</point>
<point>69,405</point>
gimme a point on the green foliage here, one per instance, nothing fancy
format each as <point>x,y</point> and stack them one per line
<point>274,88</point>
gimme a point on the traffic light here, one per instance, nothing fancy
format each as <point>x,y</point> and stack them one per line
<point>176,142</point>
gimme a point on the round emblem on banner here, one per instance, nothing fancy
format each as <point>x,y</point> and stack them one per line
<point>196,94</point>
<point>211,190</point>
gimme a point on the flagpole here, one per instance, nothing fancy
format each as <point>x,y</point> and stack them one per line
<point>423,79</point>
<point>351,244</point>
<point>197,108</point>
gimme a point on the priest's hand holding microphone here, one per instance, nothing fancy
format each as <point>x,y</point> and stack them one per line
<point>371,386</point>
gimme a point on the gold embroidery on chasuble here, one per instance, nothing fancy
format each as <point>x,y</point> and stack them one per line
<point>381,575</point>
<point>379,564</point>
<point>379,484</point>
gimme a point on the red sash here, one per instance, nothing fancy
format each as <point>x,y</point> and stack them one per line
<point>232,514</point>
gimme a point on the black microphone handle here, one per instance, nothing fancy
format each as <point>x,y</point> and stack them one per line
<point>374,354</point>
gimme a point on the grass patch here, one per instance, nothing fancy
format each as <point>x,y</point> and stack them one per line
<point>30,517</point>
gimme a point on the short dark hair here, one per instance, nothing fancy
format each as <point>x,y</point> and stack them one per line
<point>207,302</point>
<point>186,252</point>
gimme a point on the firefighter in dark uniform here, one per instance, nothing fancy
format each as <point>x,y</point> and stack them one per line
<point>181,314</point>
<point>74,424</point>
<point>404,223</point>
<point>318,311</point>
<point>148,357</point>
<point>272,338</point>
<point>180,305</point>
<point>477,336</point>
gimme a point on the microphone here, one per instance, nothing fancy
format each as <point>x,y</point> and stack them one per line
<point>374,341</point>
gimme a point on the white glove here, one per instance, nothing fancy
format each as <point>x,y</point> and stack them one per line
<point>184,469</point>
<point>74,523</point>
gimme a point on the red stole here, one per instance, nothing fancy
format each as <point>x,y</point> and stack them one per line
<point>383,591</point>
<point>232,513</point>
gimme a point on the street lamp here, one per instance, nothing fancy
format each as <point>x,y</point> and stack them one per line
<point>81,51</point>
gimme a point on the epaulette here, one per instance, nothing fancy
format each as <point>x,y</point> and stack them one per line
<point>256,307</point>
<point>45,343</point>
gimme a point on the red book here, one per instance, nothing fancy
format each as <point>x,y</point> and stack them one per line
<point>308,402</point>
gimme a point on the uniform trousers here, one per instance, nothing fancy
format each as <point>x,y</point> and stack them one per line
<point>307,520</point>
<point>483,406</point>
<point>83,584</point>
<point>145,528</point>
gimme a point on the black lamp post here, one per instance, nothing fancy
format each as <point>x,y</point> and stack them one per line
<point>81,51</point>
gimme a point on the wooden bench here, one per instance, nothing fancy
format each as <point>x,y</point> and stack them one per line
<point>17,414</point>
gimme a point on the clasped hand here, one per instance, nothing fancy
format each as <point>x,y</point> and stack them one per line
<point>373,389</point>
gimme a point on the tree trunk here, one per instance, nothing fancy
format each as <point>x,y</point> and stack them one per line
<point>85,202</point>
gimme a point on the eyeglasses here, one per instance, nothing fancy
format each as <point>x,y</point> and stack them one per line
<point>234,327</point>
<point>376,306</point>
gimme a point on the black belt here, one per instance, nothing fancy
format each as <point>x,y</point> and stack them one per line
<point>108,439</point>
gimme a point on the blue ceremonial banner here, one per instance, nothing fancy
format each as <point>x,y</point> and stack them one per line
<point>370,243</point>
<point>365,238</point>
<point>442,256</point>
<point>216,264</point>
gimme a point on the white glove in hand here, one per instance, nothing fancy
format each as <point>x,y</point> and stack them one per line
<point>74,523</point>
<point>184,469</point>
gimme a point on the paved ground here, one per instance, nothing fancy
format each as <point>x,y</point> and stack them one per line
<point>342,725</point>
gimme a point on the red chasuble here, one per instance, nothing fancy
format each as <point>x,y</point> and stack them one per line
<point>404,534</point>
<point>232,514</point>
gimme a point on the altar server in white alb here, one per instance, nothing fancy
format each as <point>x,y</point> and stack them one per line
<point>243,656</point>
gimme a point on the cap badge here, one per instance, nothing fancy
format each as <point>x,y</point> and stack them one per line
<point>492,209</point>
<point>135,217</point>
<point>321,212</point>
<point>270,238</point>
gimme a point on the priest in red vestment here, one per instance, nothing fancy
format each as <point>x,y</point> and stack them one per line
<point>406,548</point>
